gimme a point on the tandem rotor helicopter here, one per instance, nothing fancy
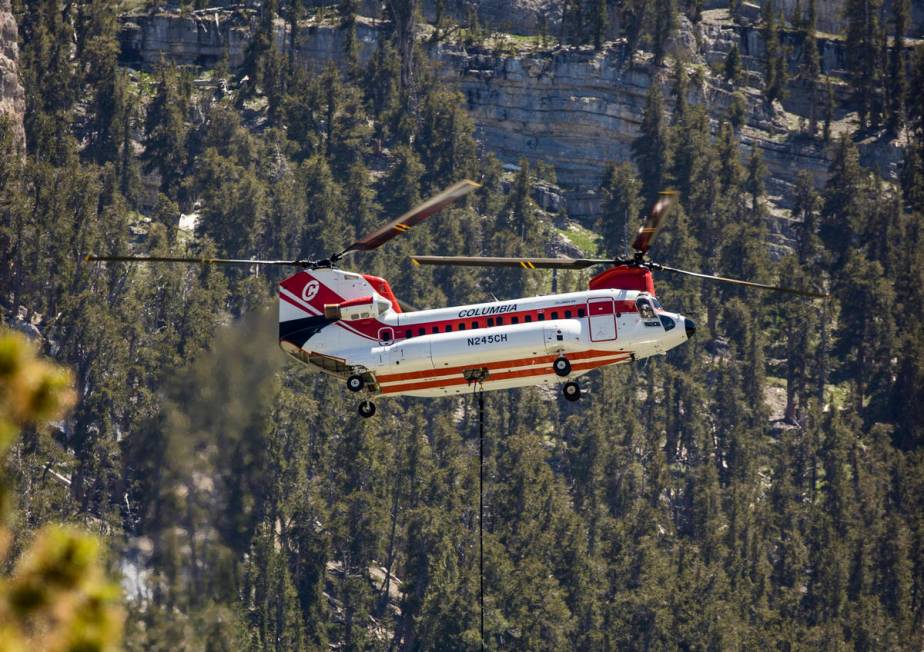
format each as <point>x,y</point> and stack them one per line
<point>351,325</point>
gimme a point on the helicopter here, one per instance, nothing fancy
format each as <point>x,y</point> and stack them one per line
<point>351,325</point>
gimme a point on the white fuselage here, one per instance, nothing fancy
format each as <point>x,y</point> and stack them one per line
<point>502,344</point>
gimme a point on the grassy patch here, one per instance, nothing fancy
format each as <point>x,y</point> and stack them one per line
<point>582,238</point>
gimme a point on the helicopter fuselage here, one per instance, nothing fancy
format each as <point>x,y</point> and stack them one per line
<point>349,329</point>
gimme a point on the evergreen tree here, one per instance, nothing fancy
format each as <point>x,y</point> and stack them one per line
<point>652,148</point>
<point>775,74</point>
<point>898,81</point>
<point>166,132</point>
<point>733,65</point>
<point>664,24</point>
<point>445,140</point>
<point>845,206</point>
<point>600,22</point>
<point>261,51</point>
<point>811,67</point>
<point>621,208</point>
<point>863,36</point>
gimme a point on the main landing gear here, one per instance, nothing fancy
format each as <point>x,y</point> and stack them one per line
<point>561,366</point>
<point>355,383</point>
<point>571,391</point>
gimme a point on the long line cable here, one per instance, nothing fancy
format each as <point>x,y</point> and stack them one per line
<point>481,507</point>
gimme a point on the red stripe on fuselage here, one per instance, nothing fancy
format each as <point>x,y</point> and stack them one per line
<point>509,375</point>
<point>503,364</point>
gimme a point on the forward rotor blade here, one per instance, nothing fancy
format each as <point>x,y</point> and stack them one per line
<point>197,261</point>
<point>646,234</point>
<point>723,279</point>
<point>525,263</point>
<point>414,216</point>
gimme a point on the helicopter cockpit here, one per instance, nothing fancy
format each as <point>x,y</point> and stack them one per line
<point>645,309</point>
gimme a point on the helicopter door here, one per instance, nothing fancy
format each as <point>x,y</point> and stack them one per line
<point>602,318</point>
<point>386,336</point>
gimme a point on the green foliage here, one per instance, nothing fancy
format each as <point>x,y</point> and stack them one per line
<point>686,504</point>
<point>776,73</point>
<point>166,130</point>
<point>621,208</point>
<point>56,596</point>
<point>652,149</point>
<point>733,65</point>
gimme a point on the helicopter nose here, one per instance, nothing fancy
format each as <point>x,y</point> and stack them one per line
<point>690,326</point>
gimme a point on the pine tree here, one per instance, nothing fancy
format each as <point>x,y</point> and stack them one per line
<point>652,148</point>
<point>445,140</point>
<point>261,51</point>
<point>754,184</point>
<point>166,132</point>
<point>733,65</point>
<point>811,67</point>
<point>600,22</point>
<point>844,203</point>
<point>863,34</point>
<point>621,208</point>
<point>97,50</point>
<point>664,24</point>
<point>404,15</point>
<point>866,334</point>
<point>898,81</point>
<point>775,83</point>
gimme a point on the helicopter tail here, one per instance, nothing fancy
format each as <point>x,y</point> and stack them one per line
<point>306,299</point>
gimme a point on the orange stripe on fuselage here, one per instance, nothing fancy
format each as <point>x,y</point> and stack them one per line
<point>503,364</point>
<point>509,375</point>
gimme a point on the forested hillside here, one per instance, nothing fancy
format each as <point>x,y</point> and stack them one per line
<point>761,487</point>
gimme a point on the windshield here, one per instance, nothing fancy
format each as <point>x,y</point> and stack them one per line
<point>645,309</point>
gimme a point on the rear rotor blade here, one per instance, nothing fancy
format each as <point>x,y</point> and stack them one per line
<point>198,261</point>
<point>646,234</point>
<point>414,216</point>
<point>525,263</point>
<point>723,279</point>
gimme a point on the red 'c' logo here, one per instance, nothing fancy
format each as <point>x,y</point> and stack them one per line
<point>310,291</point>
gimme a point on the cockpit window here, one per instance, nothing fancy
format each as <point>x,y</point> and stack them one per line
<point>656,303</point>
<point>645,309</point>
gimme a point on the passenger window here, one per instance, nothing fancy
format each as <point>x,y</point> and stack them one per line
<point>554,314</point>
<point>421,331</point>
<point>529,318</point>
<point>461,325</point>
<point>567,314</point>
<point>490,321</point>
<point>500,321</point>
<point>541,316</point>
<point>436,329</point>
<point>581,312</point>
<point>448,328</point>
<point>514,320</point>
<point>474,324</point>
<point>408,334</point>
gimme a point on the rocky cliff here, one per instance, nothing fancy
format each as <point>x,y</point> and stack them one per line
<point>12,96</point>
<point>572,107</point>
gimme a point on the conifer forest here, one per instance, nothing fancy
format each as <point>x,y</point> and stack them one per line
<point>171,480</point>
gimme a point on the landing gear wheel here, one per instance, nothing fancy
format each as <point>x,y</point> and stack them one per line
<point>571,391</point>
<point>355,383</point>
<point>561,366</point>
<point>366,409</point>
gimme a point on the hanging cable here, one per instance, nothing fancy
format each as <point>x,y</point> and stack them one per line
<point>481,506</point>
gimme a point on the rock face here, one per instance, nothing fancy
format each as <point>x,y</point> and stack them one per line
<point>572,107</point>
<point>829,14</point>
<point>12,96</point>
